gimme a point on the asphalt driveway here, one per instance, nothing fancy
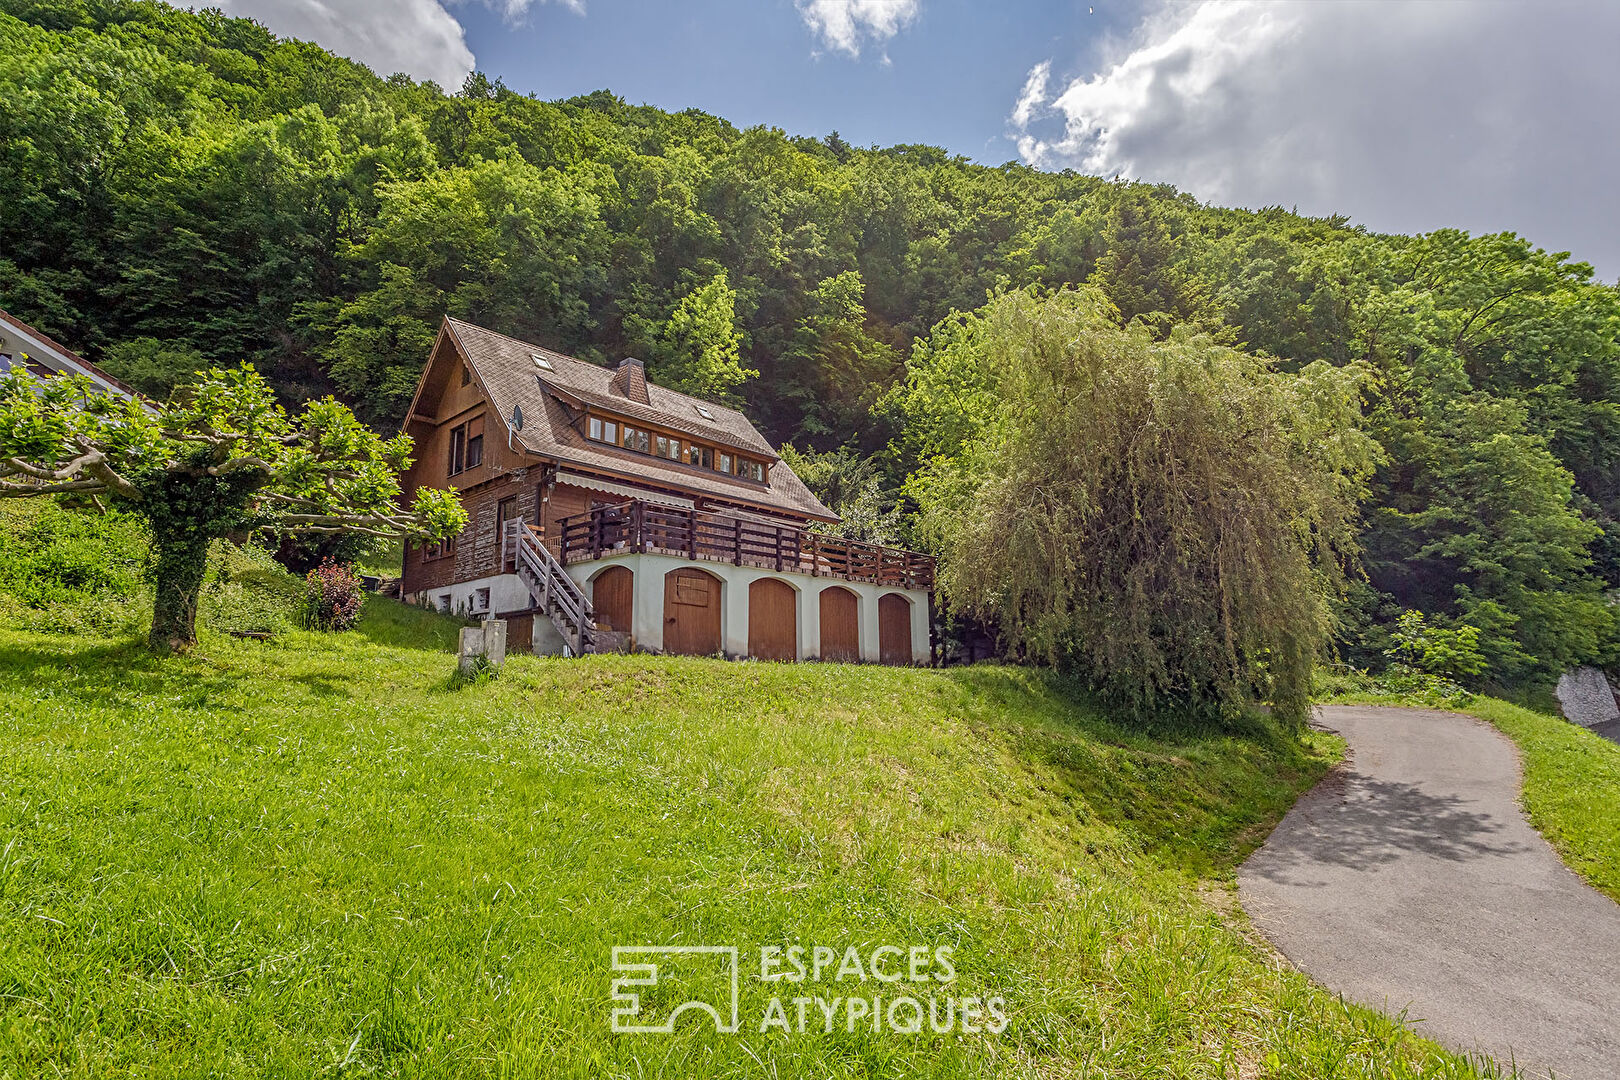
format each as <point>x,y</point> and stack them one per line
<point>1410,881</point>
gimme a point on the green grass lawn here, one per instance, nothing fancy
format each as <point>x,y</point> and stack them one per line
<point>318,857</point>
<point>1571,779</point>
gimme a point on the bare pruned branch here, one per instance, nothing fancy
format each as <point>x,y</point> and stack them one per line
<point>89,471</point>
<point>14,490</point>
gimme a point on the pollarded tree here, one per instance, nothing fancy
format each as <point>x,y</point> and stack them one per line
<point>222,457</point>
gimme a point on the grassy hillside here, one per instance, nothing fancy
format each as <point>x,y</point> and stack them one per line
<point>1571,779</point>
<point>65,571</point>
<point>318,856</point>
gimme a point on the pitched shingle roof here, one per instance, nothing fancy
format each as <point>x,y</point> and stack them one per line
<point>506,367</point>
<point>54,358</point>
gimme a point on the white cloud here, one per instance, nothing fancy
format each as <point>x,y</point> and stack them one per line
<point>1407,117</point>
<point>513,10</point>
<point>845,24</point>
<point>1033,96</point>
<point>419,37</point>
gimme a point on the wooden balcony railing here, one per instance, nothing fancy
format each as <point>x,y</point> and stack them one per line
<point>642,527</point>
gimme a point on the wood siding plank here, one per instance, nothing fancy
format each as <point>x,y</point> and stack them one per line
<point>773,620</point>
<point>894,629</point>
<point>840,625</point>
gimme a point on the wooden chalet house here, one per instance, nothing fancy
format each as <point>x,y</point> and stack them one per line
<point>608,512</point>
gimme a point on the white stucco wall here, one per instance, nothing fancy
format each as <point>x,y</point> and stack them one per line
<point>508,593</point>
<point>647,617</point>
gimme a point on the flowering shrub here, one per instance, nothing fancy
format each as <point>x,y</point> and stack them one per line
<point>1434,650</point>
<point>331,597</point>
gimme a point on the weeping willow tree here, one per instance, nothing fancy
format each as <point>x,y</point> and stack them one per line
<point>1168,517</point>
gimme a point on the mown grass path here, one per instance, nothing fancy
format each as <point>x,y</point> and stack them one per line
<point>1411,881</point>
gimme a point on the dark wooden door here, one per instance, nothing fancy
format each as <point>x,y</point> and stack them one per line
<point>691,613</point>
<point>894,629</point>
<point>613,596</point>
<point>773,620</point>
<point>840,625</point>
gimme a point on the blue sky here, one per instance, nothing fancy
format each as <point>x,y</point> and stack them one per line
<point>950,80</point>
<point>1486,115</point>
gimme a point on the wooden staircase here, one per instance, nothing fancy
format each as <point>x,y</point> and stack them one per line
<point>557,594</point>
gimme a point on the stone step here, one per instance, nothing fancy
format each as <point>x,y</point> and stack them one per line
<point>609,641</point>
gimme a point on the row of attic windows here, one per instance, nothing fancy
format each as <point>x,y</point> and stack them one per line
<point>467,442</point>
<point>671,448</point>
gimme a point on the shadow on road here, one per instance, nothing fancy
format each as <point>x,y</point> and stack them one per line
<point>1362,823</point>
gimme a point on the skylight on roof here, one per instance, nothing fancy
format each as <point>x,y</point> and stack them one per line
<point>703,411</point>
<point>541,362</point>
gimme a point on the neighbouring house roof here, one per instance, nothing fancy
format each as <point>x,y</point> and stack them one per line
<point>550,396</point>
<point>47,358</point>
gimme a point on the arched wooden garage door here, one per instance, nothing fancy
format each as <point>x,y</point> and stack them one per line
<point>773,620</point>
<point>691,613</point>
<point>840,625</point>
<point>612,597</point>
<point>894,629</point>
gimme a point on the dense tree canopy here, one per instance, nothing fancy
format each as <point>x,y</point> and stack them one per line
<point>181,189</point>
<point>1172,517</point>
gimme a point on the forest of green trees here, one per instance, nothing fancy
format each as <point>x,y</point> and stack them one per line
<point>179,190</point>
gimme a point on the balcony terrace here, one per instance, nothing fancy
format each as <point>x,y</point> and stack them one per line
<point>639,527</point>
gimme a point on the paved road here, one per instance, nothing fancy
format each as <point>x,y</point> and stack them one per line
<point>1410,880</point>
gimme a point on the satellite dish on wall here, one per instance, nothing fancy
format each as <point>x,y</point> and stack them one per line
<point>517,418</point>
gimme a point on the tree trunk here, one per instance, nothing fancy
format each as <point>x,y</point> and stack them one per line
<point>177,572</point>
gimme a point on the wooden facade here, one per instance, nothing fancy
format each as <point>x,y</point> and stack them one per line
<point>894,629</point>
<point>840,625</point>
<point>691,613</point>
<point>591,464</point>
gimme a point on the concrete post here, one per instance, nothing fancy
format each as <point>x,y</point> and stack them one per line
<point>868,596</point>
<point>734,623</point>
<point>495,641</point>
<point>647,607</point>
<point>486,640</point>
<point>471,648</point>
<point>809,620</point>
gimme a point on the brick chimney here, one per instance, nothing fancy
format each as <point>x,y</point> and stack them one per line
<point>631,379</point>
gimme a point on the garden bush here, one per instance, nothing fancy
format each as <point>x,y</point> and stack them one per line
<point>71,571</point>
<point>77,571</point>
<point>331,597</point>
<point>246,591</point>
